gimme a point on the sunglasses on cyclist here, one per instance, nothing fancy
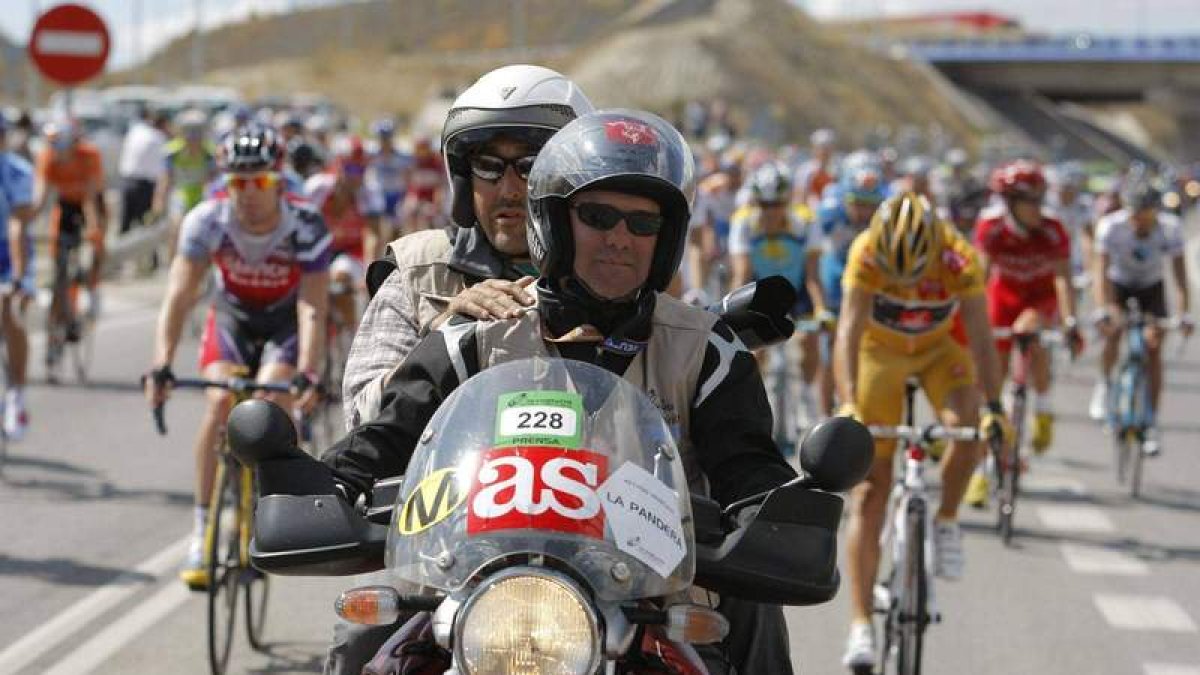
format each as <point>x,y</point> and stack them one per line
<point>604,218</point>
<point>491,168</point>
<point>261,181</point>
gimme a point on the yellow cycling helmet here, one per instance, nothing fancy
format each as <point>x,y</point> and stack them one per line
<point>907,236</point>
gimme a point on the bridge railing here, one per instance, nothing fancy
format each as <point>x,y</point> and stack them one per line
<point>1082,47</point>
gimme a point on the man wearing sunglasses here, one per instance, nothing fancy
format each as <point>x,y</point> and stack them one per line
<point>270,256</point>
<point>479,266</point>
<point>609,202</point>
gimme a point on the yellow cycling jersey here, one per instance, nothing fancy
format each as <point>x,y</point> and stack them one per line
<point>914,316</point>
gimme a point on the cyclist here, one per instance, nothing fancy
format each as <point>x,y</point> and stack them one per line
<point>422,202</point>
<point>1069,202</point>
<point>768,237</point>
<point>16,273</point>
<point>270,259</point>
<point>708,240</point>
<point>352,209</point>
<point>1132,245</point>
<point>304,159</point>
<point>906,277</point>
<point>70,169</point>
<point>191,164</point>
<point>389,168</point>
<point>1027,263</point>
<point>845,212</point>
<point>479,267</point>
<point>813,176</point>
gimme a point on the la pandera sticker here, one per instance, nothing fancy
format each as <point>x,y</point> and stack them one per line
<point>643,515</point>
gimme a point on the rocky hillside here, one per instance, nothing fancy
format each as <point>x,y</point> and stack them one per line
<point>782,73</point>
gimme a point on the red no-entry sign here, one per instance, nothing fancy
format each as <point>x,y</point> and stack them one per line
<point>69,44</point>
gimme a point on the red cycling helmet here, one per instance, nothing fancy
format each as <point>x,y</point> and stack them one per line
<point>1020,179</point>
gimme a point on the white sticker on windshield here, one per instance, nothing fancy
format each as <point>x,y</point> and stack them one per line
<point>643,514</point>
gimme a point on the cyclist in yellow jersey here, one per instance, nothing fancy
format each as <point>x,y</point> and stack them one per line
<point>191,164</point>
<point>907,275</point>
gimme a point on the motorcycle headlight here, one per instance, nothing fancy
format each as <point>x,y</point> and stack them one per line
<point>527,622</point>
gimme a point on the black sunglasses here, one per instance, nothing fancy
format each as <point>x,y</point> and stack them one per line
<point>604,218</point>
<point>491,168</point>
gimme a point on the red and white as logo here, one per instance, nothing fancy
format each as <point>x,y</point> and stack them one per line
<point>629,132</point>
<point>538,488</point>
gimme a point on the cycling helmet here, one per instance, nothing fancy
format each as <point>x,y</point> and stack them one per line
<point>253,147</point>
<point>861,183</point>
<point>303,156</point>
<point>626,151</point>
<point>917,166</point>
<point>526,102</point>
<point>191,119</point>
<point>1021,179</point>
<point>822,138</point>
<point>957,158</point>
<point>1069,175</point>
<point>383,127</point>
<point>771,185</point>
<point>317,124</point>
<point>61,132</point>
<point>1140,194</point>
<point>907,236</point>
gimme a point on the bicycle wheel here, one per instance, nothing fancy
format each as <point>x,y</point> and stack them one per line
<point>224,569</point>
<point>1010,474</point>
<point>913,606</point>
<point>257,584</point>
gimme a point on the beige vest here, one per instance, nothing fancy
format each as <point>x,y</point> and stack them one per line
<point>423,259</point>
<point>668,369</point>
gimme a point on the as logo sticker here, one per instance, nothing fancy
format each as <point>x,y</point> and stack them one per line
<point>436,497</point>
<point>538,488</point>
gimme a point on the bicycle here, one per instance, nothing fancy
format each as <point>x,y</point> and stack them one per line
<point>1006,467</point>
<point>227,536</point>
<point>1129,409</point>
<point>69,330</point>
<point>905,598</point>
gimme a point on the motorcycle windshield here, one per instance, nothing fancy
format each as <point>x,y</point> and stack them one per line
<point>546,457</point>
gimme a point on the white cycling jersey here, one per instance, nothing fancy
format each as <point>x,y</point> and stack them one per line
<point>1076,217</point>
<point>1133,261</point>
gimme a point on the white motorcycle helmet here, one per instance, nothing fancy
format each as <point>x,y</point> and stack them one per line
<point>528,103</point>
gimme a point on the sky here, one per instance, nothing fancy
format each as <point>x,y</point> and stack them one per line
<point>161,20</point>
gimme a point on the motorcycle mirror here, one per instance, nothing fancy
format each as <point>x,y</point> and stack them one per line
<point>261,431</point>
<point>758,311</point>
<point>837,454</point>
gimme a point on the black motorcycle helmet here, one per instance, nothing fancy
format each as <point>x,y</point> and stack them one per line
<point>625,151</point>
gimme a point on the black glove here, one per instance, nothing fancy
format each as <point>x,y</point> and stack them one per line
<point>302,382</point>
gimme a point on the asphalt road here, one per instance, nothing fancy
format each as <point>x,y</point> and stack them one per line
<point>94,506</point>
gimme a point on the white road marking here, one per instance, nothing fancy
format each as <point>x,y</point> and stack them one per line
<point>1042,484</point>
<point>37,642</point>
<point>1086,559</point>
<point>1170,669</point>
<point>1144,612</point>
<point>93,653</point>
<point>1075,518</point>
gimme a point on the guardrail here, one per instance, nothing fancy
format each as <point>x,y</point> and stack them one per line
<point>1083,47</point>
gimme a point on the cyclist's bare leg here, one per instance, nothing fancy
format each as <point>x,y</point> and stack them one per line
<point>1108,356</point>
<point>1154,365</point>
<point>1039,360</point>
<point>961,408</point>
<point>15,339</point>
<point>810,360</point>
<point>98,256</point>
<point>277,372</point>
<point>205,450</point>
<point>868,507</point>
<point>825,385</point>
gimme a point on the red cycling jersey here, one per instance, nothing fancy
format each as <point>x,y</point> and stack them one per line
<point>1021,263</point>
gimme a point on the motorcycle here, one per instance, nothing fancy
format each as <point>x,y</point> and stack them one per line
<point>544,525</point>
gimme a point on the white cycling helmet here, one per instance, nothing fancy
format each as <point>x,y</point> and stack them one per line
<point>529,103</point>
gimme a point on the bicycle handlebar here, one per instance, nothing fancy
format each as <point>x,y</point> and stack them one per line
<point>239,385</point>
<point>932,432</point>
